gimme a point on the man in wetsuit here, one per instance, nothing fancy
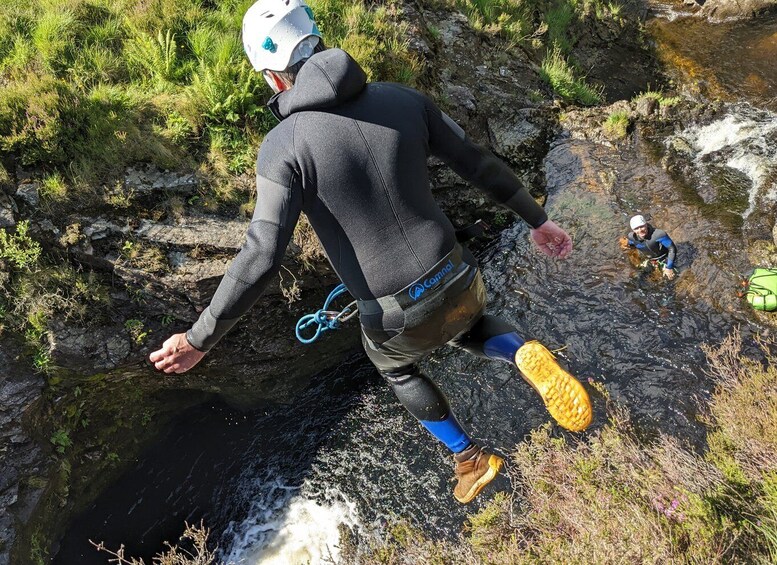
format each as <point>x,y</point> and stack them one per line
<point>352,156</point>
<point>654,243</point>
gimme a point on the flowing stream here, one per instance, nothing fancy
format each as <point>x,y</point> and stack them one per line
<point>277,484</point>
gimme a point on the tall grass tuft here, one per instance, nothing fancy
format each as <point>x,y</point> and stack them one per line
<point>559,74</point>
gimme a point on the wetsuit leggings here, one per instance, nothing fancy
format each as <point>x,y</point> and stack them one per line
<point>490,337</point>
<point>454,315</point>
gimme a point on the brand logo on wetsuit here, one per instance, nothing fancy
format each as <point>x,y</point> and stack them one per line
<point>419,288</point>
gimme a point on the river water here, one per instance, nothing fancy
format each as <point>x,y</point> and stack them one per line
<point>277,483</point>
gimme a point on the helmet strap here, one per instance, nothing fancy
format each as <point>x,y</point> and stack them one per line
<point>276,83</point>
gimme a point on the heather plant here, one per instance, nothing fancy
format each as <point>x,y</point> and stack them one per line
<point>615,497</point>
<point>33,292</point>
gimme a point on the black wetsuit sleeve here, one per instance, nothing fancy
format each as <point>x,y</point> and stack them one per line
<point>278,207</point>
<point>480,166</point>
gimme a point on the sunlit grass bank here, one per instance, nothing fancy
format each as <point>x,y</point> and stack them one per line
<point>613,498</point>
<point>89,86</point>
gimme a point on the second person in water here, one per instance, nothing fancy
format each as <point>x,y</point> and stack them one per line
<point>653,243</point>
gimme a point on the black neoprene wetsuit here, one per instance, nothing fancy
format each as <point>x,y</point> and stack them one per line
<point>353,157</point>
<point>656,245</point>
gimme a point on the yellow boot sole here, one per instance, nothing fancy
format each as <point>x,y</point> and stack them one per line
<point>563,395</point>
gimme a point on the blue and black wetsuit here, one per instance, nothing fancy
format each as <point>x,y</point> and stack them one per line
<point>657,245</point>
<point>353,157</point>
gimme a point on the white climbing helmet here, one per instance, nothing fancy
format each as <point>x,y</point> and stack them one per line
<point>279,33</point>
<point>637,221</point>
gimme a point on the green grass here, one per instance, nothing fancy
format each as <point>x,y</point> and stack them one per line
<point>659,97</point>
<point>560,75</point>
<point>616,125</point>
<point>92,86</point>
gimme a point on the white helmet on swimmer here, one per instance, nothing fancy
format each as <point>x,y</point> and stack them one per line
<point>637,221</point>
<point>278,34</point>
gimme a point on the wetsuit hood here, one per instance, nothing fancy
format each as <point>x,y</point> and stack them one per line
<point>326,80</point>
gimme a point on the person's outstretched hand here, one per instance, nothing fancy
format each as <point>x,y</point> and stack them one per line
<point>176,355</point>
<point>669,273</point>
<point>552,240</point>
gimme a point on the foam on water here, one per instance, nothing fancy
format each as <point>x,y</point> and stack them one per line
<point>743,140</point>
<point>285,527</point>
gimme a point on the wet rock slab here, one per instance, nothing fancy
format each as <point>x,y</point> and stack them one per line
<point>193,231</point>
<point>20,456</point>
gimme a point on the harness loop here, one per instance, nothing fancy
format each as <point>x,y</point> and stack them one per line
<point>326,319</point>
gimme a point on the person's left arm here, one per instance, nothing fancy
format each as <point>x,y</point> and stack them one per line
<point>490,174</point>
<point>667,242</point>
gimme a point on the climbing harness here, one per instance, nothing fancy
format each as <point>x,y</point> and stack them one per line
<point>326,318</point>
<point>761,289</point>
<point>655,263</point>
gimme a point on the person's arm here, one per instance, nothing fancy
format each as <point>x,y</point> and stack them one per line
<point>278,206</point>
<point>277,211</point>
<point>667,242</point>
<point>480,166</point>
<point>490,174</point>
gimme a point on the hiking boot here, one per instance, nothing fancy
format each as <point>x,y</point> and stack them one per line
<point>564,397</point>
<point>474,473</point>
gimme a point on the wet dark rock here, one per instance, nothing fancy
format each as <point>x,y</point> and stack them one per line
<point>8,210</point>
<point>46,226</point>
<point>516,138</point>
<point>100,228</point>
<point>613,54</point>
<point>20,456</point>
<point>646,106</point>
<point>718,10</point>
<point>28,192</point>
<point>417,37</point>
<point>89,349</point>
<point>461,96</point>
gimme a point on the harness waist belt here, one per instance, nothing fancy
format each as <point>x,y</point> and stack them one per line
<point>443,273</point>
